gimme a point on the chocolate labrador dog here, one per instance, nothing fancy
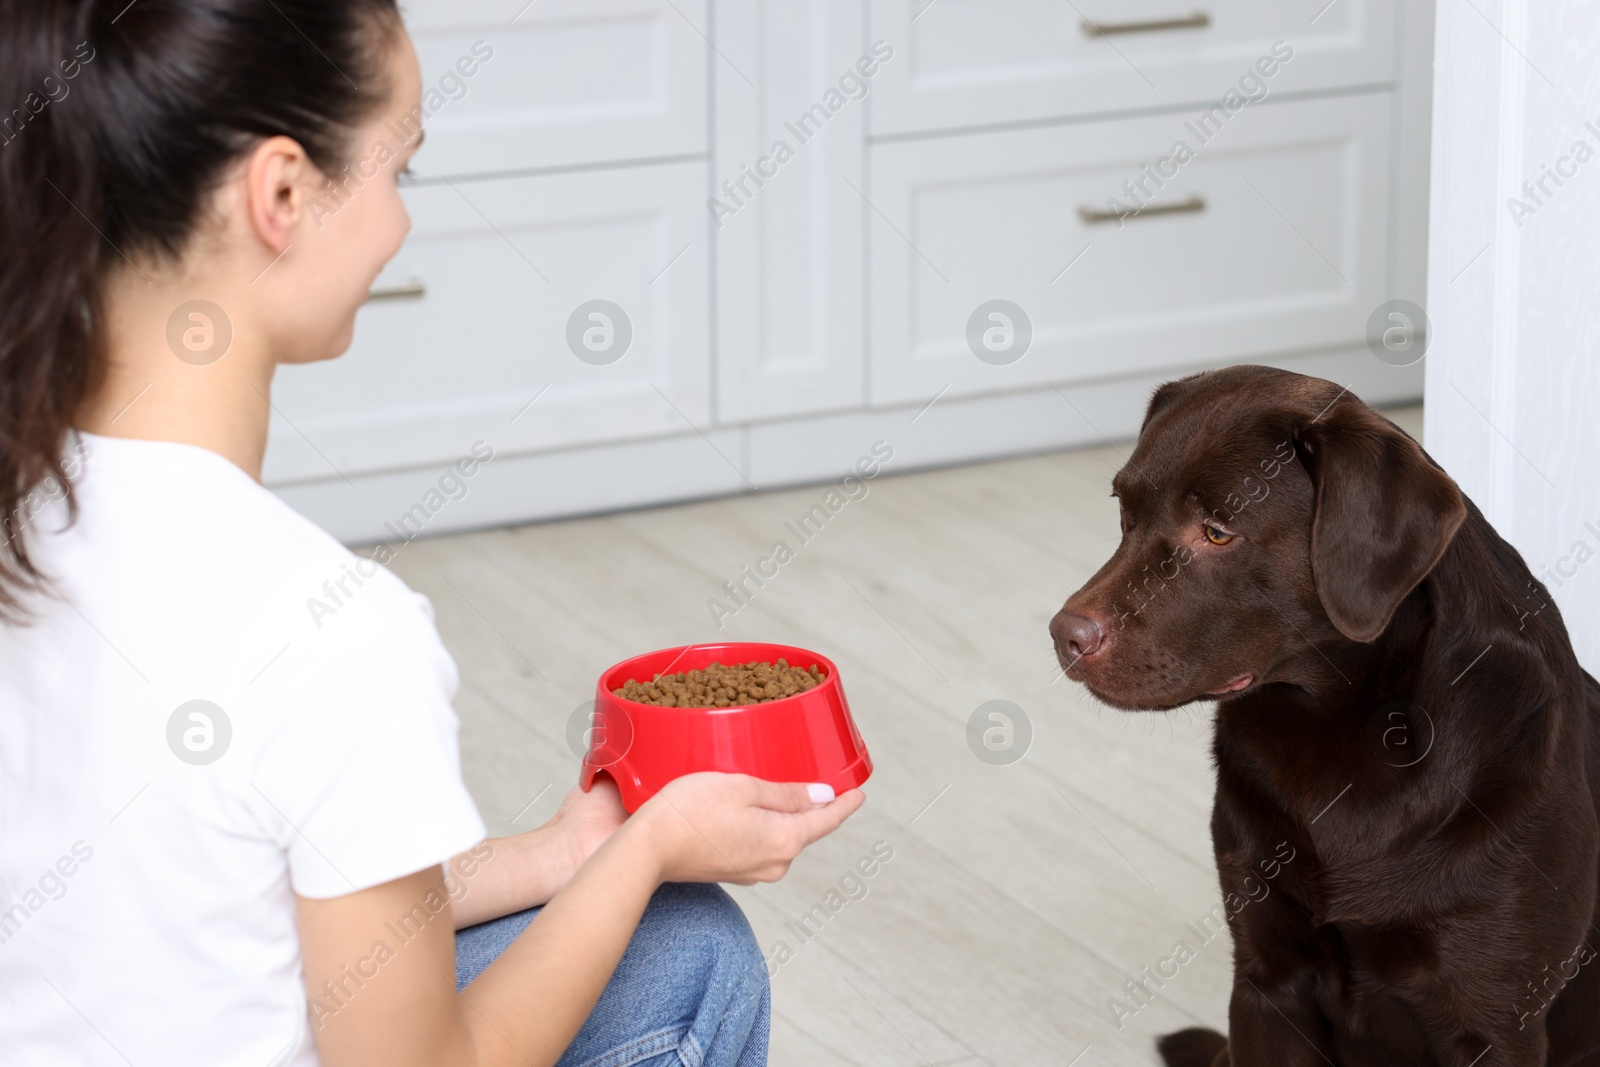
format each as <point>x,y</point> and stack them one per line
<point>1399,705</point>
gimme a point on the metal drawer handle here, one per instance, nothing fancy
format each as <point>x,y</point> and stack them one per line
<point>413,290</point>
<point>1197,21</point>
<point>1093,216</point>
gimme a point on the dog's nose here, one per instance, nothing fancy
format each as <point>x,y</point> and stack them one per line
<point>1076,635</point>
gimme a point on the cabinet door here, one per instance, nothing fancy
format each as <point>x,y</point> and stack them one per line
<point>489,305</point>
<point>1271,239</point>
<point>980,62</point>
<point>789,222</point>
<point>565,82</point>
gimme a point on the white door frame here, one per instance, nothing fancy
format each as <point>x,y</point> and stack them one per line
<point>1513,373</point>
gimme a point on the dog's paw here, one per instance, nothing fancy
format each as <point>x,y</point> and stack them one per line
<point>1194,1047</point>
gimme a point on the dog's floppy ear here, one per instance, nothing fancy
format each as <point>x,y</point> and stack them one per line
<point>1385,513</point>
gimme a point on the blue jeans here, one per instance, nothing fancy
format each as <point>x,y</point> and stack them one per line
<point>691,990</point>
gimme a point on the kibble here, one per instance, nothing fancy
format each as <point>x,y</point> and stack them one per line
<point>724,685</point>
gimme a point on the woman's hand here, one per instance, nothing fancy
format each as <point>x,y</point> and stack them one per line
<point>714,827</point>
<point>707,827</point>
<point>585,820</point>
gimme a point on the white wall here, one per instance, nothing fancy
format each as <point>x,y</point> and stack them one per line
<point>1513,379</point>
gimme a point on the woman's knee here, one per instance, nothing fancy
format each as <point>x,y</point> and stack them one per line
<point>692,984</point>
<point>701,925</point>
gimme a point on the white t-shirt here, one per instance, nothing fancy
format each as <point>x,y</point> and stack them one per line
<point>146,896</point>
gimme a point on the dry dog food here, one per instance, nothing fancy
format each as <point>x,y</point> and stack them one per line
<point>724,685</point>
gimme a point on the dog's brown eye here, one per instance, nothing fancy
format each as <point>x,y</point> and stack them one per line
<point>1216,536</point>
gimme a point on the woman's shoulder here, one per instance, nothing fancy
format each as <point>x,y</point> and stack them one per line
<point>182,501</point>
<point>210,559</point>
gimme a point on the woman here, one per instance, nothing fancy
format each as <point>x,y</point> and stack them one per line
<point>231,833</point>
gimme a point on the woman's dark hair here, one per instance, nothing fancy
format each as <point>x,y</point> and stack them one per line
<point>117,120</point>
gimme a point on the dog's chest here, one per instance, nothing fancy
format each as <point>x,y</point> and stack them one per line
<point>1313,786</point>
<point>1361,968</point>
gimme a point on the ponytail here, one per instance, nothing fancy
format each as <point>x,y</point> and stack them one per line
<point>117,120</point>
<point>48,297</point>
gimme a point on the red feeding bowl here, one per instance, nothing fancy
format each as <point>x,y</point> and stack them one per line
<point>808,737</point>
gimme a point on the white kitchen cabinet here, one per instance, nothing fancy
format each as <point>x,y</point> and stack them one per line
<point>787,308</point>
<point>1275,241</point>
<point>790,293</point>
<point>992,62</point>
<point>568,82</point>
<point>491,275</point>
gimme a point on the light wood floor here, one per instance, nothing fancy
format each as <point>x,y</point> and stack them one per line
<point>1019,898</point>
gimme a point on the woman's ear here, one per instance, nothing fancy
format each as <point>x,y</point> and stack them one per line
<point>1384,515</point>
<point>276,186</point>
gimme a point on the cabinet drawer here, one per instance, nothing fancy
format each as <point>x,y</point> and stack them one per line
<point>1287,250</point>
<point>482,319</point>
<point>568,82</point>
<point>977,62</point>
